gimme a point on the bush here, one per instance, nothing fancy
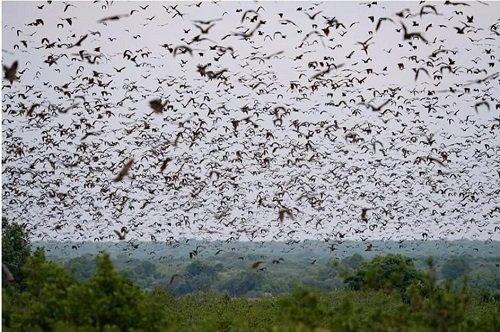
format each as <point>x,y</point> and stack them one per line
<point>387,273</point>
<point>106,302</point>
<point>16,249</point>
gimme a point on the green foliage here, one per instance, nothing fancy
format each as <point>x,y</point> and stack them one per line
<point>243,282</point>
<point>103,299</point>
<point>388,273</point>
<point>110,302</point>
<point>302,309</point>
<point>489,296</point>
<point>484,279</point>
<point>455,267</point>
<point>42,302</point>
<point>197,267</point>
<point>352,262</point>
<point>446,308</point>
<point>55,301</point>
<point>81,268</point>
<point>154,264</point>
<point>15,250</point>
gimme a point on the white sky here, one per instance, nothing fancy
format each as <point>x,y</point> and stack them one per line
<point>325,172</point>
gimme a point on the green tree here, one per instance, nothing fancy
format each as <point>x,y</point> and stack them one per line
<point>82,268</point>
<point>484,278</point>
<point>455,267</point>
<point>201,276</point>
<point>107,300</point>
<point>16,248</point>
<point>198,267</point>
<point>302,310</point>
<point>55,301</point>
<point>388,273</point>
<point>242,283</point>
<point>353,261</point>
<point>443,308</point>
<point>43,301</point>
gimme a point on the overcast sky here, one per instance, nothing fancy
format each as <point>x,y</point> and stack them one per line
<point>276,120</point>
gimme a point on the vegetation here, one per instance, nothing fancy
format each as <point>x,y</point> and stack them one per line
<point>54,301</point>
<point>387,273</point>
<point>16,249</point>
<point>91,294</point>
<point>455,267</point>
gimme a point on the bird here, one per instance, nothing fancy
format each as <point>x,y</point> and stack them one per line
<point>363,214</point>
<point>256,264</point>
<point>112,18</point>
<point>164,164</point>
<point>32,109</point>
<point>412,35</point>
<point>157,105</point>
<point>79,42</point>
<point>447,2</point>
<point>283,212</point>
<point>10,72</point>
<point>207,22</point>
<point>431,7</point>
<point>204,30</point>
<point>417,70</point>
<point>225,143</point>
<point>124,171</point>
<point>122,233</point>
<point>312,17</point>
<point>375,108</point>
<point>382,19</point>
<point>478,104</point>
<point>194,252</point>
<point>173,277</point>
<point>67,109</point>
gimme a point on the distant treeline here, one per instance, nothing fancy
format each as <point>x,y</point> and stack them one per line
<point>307,249</point>
<point>255,269</point>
